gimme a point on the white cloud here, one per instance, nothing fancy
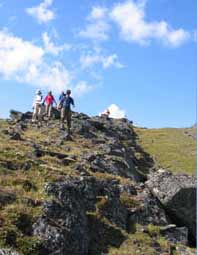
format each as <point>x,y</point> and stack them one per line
<point>42,12</point>
<point>89,60</point>
<point>25,62</point>
<point>81,88</point>
<point>130,17</point>
<point>97,29</point>
<point>50,47</point>
<point>16,54</point>
<point>98,13</point>
<point>115,112</point>
<point>53,77</point>
<point>111,60</point>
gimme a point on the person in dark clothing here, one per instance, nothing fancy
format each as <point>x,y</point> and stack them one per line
<point>61,97</point>
<point>66,112</point>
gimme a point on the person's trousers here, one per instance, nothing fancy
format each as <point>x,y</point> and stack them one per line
<point>66,114</point>
<point>48,110</point>
<point>37,113</point>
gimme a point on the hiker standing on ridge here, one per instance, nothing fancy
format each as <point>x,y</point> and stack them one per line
<point>37,107</point>
<point>66,112</point>
<point>106,114</point>
<point>49,100</point>
<point>61,97</point>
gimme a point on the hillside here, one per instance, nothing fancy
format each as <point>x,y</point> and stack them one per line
<point>171,148</point>
<point>88,194</point>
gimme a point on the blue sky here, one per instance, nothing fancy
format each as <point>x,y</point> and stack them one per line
<point>136,57</point>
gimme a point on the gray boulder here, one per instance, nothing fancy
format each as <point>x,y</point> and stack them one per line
<point>19,116</point>
<point>174,234</point>
<point>8,252</point>
<point>15,136</point>
<point>177,194</point>
<point>6,198</point>
<point>149,211</point>
<point>63,227</point>
<point>182,250</point>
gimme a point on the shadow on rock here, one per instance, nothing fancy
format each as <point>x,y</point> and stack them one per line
<point>103,236</point>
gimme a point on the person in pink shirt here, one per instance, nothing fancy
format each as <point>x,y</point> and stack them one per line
<point>49,101</point>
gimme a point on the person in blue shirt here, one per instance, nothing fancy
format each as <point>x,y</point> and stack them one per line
<point>61,96</point>
<point>66,113</point>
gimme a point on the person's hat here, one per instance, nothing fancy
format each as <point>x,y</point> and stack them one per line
<point>38,92</point>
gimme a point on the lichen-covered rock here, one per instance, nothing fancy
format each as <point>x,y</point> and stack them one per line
<point>149,211</point>
<point>175,234</point>
<point>8,252</point>
<point>89,191</point>
<point>15,136</point>
<point>121,165</point>
<point>183,250</point>
<point>177,194</point>
<point>64,225</point>
<point>19,116</point>
<point>128,188</point>
<point>6,198</point>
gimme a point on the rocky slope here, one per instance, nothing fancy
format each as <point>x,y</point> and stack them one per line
<point>97,192</point>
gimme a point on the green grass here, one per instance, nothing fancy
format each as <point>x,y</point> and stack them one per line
<point>139,244</point>
<point>171,148</point>
<point>129,201</point>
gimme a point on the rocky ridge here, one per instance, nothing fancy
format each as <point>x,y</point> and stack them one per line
<point>100,192</point>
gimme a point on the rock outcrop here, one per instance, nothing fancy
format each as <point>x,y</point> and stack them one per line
<point>175,234</point>
<point>150,210</point>
<point>19,116</point>
<point>64,224</point>
<point>177,194</point>
<point>8,252</point>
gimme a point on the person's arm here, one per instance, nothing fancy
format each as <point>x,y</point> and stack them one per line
<point>61,101</point>
<point>60,98</point>
<point>41,100</point>
<point>54,101</point>
<point>33,103</point>
<point>45,100</point>
<point>72,102</point>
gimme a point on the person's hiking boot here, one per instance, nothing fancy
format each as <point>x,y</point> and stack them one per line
<point>70,132</point>
<point>62,127</point>
<point>69,137</point>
